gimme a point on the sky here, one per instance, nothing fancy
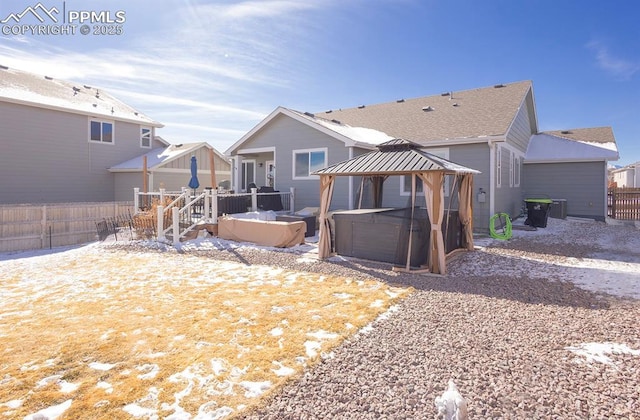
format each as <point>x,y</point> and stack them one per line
<point>212,70</point>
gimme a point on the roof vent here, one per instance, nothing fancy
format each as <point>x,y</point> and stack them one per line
<point>95,105</point>
<point>308,114</point>
<point>75,91</point>
<point>87,87</point>
<point>4,67</point>
<point>361,106</point>
<point>566,132</point>
<point>136,112</point>
<point>499,86</point>
<point>329,111</point>
<point>427,108</point>
<point>97,93</point>
<point>112,111</point>
<point>445,94</point>
<point>455,104</point>
<point>400,101</point>
<point>179,145</point>
<point>336,121</point>
<point>48,77</point>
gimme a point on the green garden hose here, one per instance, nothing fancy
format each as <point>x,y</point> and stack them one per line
<point>506,226</point>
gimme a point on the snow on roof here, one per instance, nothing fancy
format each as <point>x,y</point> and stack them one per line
<point>357,134</point>
<point>157,157</point>
<point>42,91</point>
<point>549,148</point>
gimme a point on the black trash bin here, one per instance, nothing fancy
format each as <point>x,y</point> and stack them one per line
<point>537,211</point>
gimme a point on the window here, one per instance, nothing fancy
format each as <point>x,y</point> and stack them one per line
<point>511,168</point>
<point>101,131</point>
<point>145,137</point>
<point>305,162</point>
<point>516,172</point>
<point>498,166</point>
<point>248,174</point>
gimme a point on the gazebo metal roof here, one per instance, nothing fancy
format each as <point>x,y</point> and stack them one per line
<point>395,157</point>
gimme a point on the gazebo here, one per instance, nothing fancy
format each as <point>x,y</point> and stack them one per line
<point>403,157</point>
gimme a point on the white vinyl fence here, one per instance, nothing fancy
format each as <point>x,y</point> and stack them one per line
<point>38,226</point>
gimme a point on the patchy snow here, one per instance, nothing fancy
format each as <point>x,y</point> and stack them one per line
<point>599,352</point>
<point>101,366</point>
<point>255,389</point>
<point>50,413</point>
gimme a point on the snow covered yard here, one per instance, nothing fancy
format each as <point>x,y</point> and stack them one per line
<point>100,332</point>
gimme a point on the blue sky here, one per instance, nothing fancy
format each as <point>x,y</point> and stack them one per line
<point>211,70</point>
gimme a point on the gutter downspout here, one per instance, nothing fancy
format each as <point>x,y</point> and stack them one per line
<point>351,198</point>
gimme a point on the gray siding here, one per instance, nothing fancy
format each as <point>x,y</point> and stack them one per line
<point>287,135</point>
<point>508,197</point>
<point>582,184</point>
<point>46,156</point>
<point>523,126</point>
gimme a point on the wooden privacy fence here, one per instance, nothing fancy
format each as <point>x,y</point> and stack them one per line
<point>37,226</point>
<point>623,203</point>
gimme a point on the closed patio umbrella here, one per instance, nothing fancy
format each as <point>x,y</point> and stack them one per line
<point>193,182</point>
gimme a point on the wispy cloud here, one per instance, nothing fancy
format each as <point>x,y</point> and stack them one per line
<point>205,68</point>
<point>618,67</point>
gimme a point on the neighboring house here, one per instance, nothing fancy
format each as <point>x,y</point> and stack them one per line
<point>571,165</point>
<point>170,168</point>
<point>58,139</point>
<point>487,129</point>
<point>627,177</point>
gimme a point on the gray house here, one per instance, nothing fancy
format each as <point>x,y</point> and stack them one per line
<point>170,168</point>
<point>571,165</point>
<point>488,129</point>
<point>58,139</point>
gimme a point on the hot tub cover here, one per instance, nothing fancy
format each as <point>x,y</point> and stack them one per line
<point>261,232</point>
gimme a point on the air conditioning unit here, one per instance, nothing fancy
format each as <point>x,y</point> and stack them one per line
<point>558,208</point>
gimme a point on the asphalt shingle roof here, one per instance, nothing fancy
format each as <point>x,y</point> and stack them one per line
<point>42,91</point>
<point>471,113</point>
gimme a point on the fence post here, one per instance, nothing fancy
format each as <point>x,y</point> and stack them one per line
<point>136,202</point>
<point>214,206</point>
<point>176,225</point>
<point>162,192</point>
<point>254,199</point>
<point>43,226</point>
<point>292,200</point>
<point>160,218</point>
<point>207,202</point>
<point>613,203</point>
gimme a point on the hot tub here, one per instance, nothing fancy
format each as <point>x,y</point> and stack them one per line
<point>383,234</point>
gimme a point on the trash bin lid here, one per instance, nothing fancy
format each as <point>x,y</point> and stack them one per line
<point>538,200</point>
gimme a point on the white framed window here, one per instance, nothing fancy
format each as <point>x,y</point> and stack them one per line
<point>516,171</point>
<point>498,166</point>
<point>248,174</point>
<point>101,131</point>
<point>405,180</point>
<point>511,168</point>
<point>145,137</point>
<point>306,161</point>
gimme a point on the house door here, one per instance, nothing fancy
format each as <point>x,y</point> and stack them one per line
<point>270,175</point>
<point>248,174</point>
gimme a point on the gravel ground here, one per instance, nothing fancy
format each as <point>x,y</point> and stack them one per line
<point>498,324</point>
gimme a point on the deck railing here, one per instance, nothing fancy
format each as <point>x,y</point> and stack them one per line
<point>179,213</point>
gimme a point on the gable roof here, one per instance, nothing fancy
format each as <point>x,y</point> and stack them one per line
<point>25,88</point>
<point>468,114</point>
<point>161,156</point>
<point>395,157</point>
<point>579,144</point>
<point>351,135</point>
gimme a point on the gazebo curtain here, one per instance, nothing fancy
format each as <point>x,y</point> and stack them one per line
<point>465,211</point>
<point>433,194</point>
<point>326,191</point>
